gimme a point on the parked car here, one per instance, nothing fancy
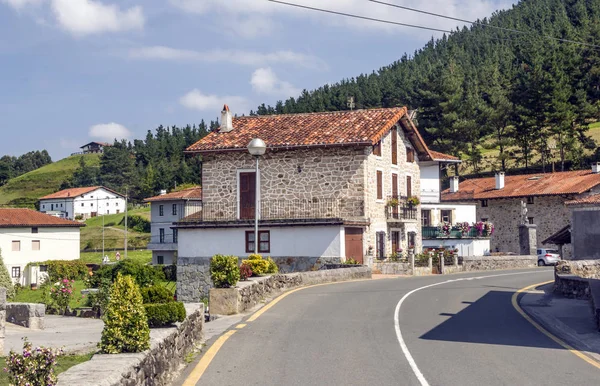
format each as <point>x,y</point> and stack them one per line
<point>547,257</point>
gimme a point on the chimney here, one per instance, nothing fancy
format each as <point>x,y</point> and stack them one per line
<point>500,180</point>
<point>454,184</point>
<point>226,120</point>
<point>595,167</point>
<point>163,192</point>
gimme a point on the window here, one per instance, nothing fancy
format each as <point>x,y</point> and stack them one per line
<point>411,240</point>
<point>530,220</point>
<point>379,185</point>
<point>530,200</point>
<point>161,235</point>
<point>408,186</point>
<point>43,268</point>
<point>426,217</point>
<point>410,155</point>
<point>395,242</point>
<point>16,246</point>
<point>175,235</point>
<point>82,204</point>
<point>377,149</point>
<point>160,260</point>
<point>35,245</point>
<point>16,272</point>
<point>484,203</point>
<point>394,135</point>
<point>264,245</point>
<point>43,206</point>
<point>91,196</point>
<point>447,216</point>
<point>118,211</point>
<point>380,244</point>
<point>174,209</point>
<point>92,204</point>
<point>34,230</point>
<point>161,210</point>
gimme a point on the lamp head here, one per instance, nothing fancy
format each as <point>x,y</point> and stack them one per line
<point>257,147</point>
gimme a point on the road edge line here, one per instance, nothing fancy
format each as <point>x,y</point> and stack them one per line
<point>565,345</point>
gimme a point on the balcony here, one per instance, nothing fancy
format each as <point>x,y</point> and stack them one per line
<point>289,211</point>
<point>397,210</point>
<point>434,233</point>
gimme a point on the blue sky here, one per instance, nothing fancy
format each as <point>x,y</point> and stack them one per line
<point>79,70</point>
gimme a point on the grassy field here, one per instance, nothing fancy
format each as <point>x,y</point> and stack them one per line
<point>63,363</point>
<point>143,256</point>
<point>27,295</point>
<point>114,234</point>
<point>29,187</point>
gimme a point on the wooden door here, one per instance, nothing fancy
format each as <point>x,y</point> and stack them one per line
<point>247,195</point>
<point>354,244</point>
<point>408,186</point>
<point>395,241</point>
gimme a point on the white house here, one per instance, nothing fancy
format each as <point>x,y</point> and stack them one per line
<point>83,203</point>
<point>166,209</point>
<point>27,236</point>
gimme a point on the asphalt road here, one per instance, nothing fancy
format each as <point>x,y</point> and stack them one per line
<point>462,332</point>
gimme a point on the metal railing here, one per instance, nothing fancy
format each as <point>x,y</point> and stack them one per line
<point>397,209</point>
<point>309,209</point>
<point>435,233</point>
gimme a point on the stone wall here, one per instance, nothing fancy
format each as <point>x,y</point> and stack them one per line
<point>589,269</point>
<point>30,315</point>
<point>585,231</point>
<point>303,263</point>
<point>571,286</point>
<point>249,293</point>
<point>488,263</point>
<point>390,268</point>
<point>193,279</point>
<point>549,214</point>
<point>168,349</point>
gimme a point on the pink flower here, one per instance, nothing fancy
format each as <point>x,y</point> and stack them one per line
<point>65,280</point>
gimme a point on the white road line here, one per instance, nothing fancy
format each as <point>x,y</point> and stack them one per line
<point>407,354</point>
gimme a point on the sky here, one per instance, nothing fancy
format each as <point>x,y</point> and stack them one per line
<point>75,71</point>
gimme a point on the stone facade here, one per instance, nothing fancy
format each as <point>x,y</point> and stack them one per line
<point>193,279</point>
<point>585,231</point>
<point>30,315</point>
<point>588,269</point>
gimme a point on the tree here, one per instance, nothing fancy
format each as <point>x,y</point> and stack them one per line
<point>5,280</point>
<point>125,323</point>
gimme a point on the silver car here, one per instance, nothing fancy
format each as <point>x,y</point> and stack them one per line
<point>547,257</point>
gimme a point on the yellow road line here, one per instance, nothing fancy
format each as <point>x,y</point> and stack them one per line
<point>517,307</point>
<point>241,325</point>
<point>200,368</point>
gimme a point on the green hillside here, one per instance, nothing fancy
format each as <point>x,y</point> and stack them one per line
<point>114,232</point>
<point>26,189</point>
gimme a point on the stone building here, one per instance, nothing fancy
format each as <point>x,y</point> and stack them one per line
<point>331,186</point>
<point>585,227</point>
<point>499,199</point>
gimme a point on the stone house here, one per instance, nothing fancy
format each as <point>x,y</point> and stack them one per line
<point>165,209</point>
<point>583,234</point>
<point>499,199</point>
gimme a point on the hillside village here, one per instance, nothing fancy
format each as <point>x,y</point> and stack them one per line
<point>452,197</point>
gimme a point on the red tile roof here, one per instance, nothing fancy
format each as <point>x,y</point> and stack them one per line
<point>75,192</point>
<point>575,182</point>
<point>12,218</point>
<point>594,199</point>
<point>340,128</point>
<point>437,156</point>
<point>194,193</point>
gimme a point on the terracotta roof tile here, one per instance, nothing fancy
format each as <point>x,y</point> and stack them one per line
<point>574,182</point>
<point>594,199</point>
<point>75,192</point>
<point>362,127</point>
<point>11,218</point>
<point>441,156</point>
<point>194,193</point>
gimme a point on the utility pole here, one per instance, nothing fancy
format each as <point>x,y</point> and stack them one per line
<point>126,202</point>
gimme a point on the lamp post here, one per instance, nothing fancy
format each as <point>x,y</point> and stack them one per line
<point>256,147</point>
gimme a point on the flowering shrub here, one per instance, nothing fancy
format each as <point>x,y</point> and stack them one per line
<point>463,227</point>
<point>33,367</point>
<point>484,228</point>
<point>61,293</point>
<point>413,201</point>
<point>245,271</point>
<point>445,228</point>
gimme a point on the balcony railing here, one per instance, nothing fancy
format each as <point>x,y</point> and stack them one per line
<point>434,233</point>
<point>270,210</point>
<point>398,209</point>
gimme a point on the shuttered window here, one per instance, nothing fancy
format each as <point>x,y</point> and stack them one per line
<point>377,149</point>
<point>16,246</point>
<point>379,185</point>
<point>408,186</point>
<point>410,155</point>
<point>394,135</point>
<point>35,245</point>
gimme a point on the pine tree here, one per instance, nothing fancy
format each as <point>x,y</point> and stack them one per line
<point>125,323</point>
<point>5,280</point>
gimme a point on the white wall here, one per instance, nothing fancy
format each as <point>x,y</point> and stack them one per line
<point>466,247</point>
<point>462,212</point>
<point>62,205</point>
<point>310,241</point>
<point>100,201</point>
<point>430,182</point>
<point>55,244</point>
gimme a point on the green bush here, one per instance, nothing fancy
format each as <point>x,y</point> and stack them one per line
<point>224,271</point>
<point>351,261</point>
<point>125,321</point>
<point>164,314</point>
<point>261,266</point>
<point>272,268</point>
<point>170,272</point>
<point>144,275</point>
<point>65,269</point>
<point>35,366</point>
<point>5,280</point>
<point>137,223</point>
<point>156,294</point>
<point>99,300</point>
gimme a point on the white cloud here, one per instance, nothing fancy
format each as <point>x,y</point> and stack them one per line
<point>19,4</point>
<point>109,131</point>
<point>85,17</point>
<point>265,81</point>
<point>196,100</point>
<point>247,58</point>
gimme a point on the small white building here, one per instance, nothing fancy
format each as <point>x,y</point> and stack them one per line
<point>27,236</point>
<point>166,209</point>
<point>83,203</point>
<point>94,147</point>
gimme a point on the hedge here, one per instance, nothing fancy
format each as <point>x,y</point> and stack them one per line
<point>156,294</point>
<point>144,275</point>
<point>164,314</point>
<point>65,269</point>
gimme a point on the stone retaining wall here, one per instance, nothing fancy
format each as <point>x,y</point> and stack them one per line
<point>229,301</point>
<point>30,315</point>
<point>392,268</point>
<point>488,263</point>
<point>589,269</point>
<point>571,286</point>
<point>168,349</point>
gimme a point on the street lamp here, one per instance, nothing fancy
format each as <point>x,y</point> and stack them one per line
<point>256,147</point>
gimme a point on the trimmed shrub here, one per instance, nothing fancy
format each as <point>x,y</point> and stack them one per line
<point>33,366</point>
<point>164,314</point>
<point>5,280</point>
<point>137,223</point>
<point>260,266</point>
<point>64,269</point>
<point>245,271</point>
<point>144,275</point>
<point>224,271</point>
<point>125,321</point>
<point>156,294</point>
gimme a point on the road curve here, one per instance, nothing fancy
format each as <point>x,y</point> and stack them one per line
<point>461,332</point>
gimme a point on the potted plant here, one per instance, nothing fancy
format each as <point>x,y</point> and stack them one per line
<point>392,202</point>
<point>413,201</point>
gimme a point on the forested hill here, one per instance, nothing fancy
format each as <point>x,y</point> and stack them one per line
<point>523,97</point>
